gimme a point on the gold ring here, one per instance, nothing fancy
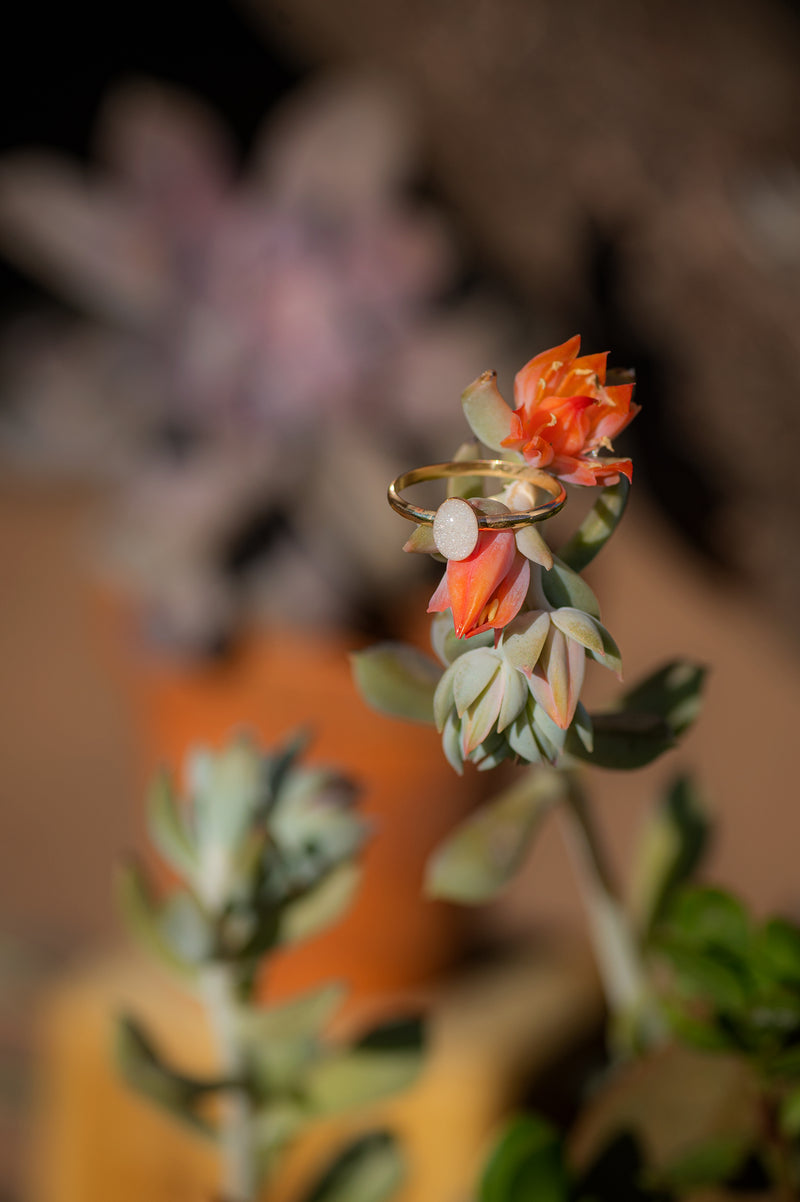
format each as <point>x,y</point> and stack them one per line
<point>500,468</point>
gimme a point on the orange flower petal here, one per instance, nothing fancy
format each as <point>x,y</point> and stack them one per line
<point>471,582</point>
<point>585,374</point>
<point>508,597</point>
<point>552,362</point>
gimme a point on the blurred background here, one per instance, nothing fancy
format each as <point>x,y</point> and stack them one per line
<point>249,258</point>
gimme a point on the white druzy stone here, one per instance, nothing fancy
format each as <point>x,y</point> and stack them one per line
<point>455,529</point>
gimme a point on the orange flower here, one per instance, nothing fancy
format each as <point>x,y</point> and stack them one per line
<point>485,590</point>
<point>565,414</point>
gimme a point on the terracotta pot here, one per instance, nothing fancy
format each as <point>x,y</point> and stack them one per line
<point>282,679</point>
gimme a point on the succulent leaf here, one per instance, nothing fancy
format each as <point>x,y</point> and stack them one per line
<point>673,692</point>
<point>622,741</point>
<point>383,1062</point>
<point>471,674</point>
<point>142,913</point>
<point>397,679</point>
<point>488,415</point>
<point>670,848</point>
<point>143,1067</point>
<point>421,541</point>
<point>168,829</point>
<point>484,853</point>
<point>597,527</point>
<point>563,587</point>
<point>322,906</point>
<point>370,1170</point>
<point>579,626</point>
<point>524,638</point>
<point>532,545</point>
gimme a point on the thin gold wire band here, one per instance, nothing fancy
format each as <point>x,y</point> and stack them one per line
<point>499,468</point>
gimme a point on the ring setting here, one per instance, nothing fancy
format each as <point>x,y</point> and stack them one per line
<point>456,523</point>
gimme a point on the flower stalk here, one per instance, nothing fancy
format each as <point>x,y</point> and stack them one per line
<point>636,1020</point>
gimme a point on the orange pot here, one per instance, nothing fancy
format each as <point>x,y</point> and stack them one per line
<point>280,679</point>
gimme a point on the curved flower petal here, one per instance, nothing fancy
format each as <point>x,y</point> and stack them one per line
<point>544,372</point>
<point>509,595</point>
<point>591,470</point>
<point>477,590</point>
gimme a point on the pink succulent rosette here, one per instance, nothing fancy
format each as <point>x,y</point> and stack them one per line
<point>253,342</point>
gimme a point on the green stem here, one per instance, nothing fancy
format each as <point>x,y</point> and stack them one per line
<point>778,1150</point>
<point>636,1018</point>
<point>236,1130</point>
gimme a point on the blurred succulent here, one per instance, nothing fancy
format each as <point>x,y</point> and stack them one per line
<point>239,333</point>
<point>265,852</point>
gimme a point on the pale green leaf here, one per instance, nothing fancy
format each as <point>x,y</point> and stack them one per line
<point>384,1062</point>
<point>421,541</point>
<point>488,415</point>
<point>484,853</point>
<point>481,716</point>
<point>471,674</point>
<point>515,695</point>
<point>397,679</point>
<point>301,1018</point>
<point>563,587</point>
<point>597,527</point>
<point>186,928</point>
<point>143,1068</point>
<point>322,906</point>
<point>444,698</point>
<point>451,743</point>
<point>532,545</point>
<point>282,1041</point>
<point>168,828</point>
<point>609,656</point>
<point>371,1170</point>
<point>582,725</point>
<point>670,848</point>
<point>524,638</point>
<point>142,913</point>
<point>578,626</point>
<point>446,643</point>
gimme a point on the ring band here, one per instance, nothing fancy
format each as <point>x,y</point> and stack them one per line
<point>500,468</point>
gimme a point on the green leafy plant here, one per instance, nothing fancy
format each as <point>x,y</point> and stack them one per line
<point>733,988</point>
<point>265,852</point>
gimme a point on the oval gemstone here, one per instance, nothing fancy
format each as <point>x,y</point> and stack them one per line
<point>455,529</point>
